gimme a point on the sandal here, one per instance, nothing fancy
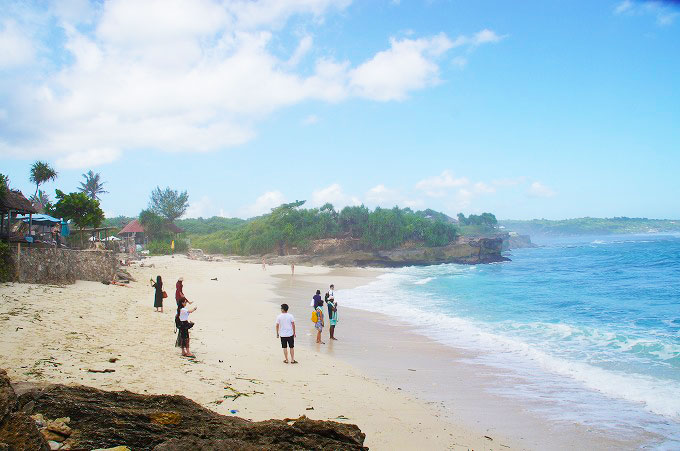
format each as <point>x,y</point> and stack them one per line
<point>285,361</point>
<point>294,361</point>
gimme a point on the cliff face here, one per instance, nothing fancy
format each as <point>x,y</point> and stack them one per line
<point>515,241</point>
<point>349,252</point>
<point>87,418</point>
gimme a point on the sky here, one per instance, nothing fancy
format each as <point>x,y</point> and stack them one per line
<point>532,109</point>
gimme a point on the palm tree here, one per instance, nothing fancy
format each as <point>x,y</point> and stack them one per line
<point>41,172</point>
<point>40,201</point>
<point>93,186</point>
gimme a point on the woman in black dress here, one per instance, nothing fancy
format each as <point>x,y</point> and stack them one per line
<point>158,299</point>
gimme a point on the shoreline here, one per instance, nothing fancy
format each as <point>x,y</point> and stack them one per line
<point>59,333</point>
<point>396,354</point>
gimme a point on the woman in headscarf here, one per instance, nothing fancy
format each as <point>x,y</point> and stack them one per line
<point>158,297</point>
<point>179,293</point>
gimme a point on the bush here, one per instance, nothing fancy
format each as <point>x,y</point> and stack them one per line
<point>159,248</point>
<point>164,247</point>
<point>6,263</point>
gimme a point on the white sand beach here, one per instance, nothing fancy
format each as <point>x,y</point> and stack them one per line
<point>57,334</point>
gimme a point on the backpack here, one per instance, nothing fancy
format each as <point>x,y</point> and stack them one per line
<point>315,317</point>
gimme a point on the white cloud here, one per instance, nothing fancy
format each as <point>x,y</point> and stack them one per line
<point>409,64</point>
<point>264,204</point>
<point>333,194</point>
<point>537,189</point>
<point>88,158</point>
<point>381,195</point>
<point>459,61</point>
<point>301,50</point>
<point>483,188</point>
<point>486,36</point>
<point>310,120</point>
<point>436,186</point>
<point>16,48</point>
<point>625,5</point>
<point>201,208</point>
<point>664,13</point>
<point>199,80</point>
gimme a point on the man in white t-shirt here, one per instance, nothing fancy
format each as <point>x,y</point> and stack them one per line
<point>285,330</point>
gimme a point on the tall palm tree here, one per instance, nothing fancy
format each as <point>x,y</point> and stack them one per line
<point>93,185</point>
<point>41,172</point>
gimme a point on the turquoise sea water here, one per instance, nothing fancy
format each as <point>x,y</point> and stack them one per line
<point>589,326</point>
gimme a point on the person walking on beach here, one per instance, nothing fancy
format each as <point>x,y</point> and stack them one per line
<point>158,297</point>
<point>292,268</point>
<point>183,325</point>
<point>285,330</point>
<point>264,264</point>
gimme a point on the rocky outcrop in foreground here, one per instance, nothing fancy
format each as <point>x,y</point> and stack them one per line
<point>70,417</point>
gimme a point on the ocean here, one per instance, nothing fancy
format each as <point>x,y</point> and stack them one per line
<point>589,327</point>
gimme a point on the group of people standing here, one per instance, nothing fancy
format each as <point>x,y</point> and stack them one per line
<point>331,303</point>
<point>182,323</point>
<point>285,322</point>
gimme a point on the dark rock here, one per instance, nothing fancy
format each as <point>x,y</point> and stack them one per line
<point>19,432</point>
<point>8,399</point>
<point>102,419</point>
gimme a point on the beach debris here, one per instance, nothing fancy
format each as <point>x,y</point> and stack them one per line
<point>488,438</point>
<point>341,417</point>
<point>249,379</point>
<point>106,370</point>
<point>233,411</point>
<point>18,328</point>
<point>237,393</point>
<point>309,408</point>
<point>214,278</point>
<point>113,359</point>
<point>411,369</point>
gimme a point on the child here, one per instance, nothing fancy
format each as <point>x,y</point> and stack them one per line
<point>285,330</point>
<point>183,325</point>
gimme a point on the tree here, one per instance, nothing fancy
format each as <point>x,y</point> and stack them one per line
<point>93,185</point>
<point>4,185</point>
<point>41,201</point>
<point>170,204</point>
<point>80,209</point>
<point>41,172</point>
<point>154,225</point>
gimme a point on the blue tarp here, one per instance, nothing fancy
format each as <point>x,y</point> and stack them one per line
<point>41,219</point>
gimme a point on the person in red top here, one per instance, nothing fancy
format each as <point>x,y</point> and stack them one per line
<point>179,293</point>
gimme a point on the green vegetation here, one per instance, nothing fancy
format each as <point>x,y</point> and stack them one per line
<point>169,203</point>
<point>288,228</point>
<point>41,172</point>
<point>591,226</point>
<point>164,247</point>
<point>93,186</point>
<point>77,207</point>
<point>477,225</point>
<point>4,184</point>
<point>204,226</point>
<point>6,263</point>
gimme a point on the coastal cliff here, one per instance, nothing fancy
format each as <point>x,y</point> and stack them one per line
<point>349,252</point>
<point>77,417</point>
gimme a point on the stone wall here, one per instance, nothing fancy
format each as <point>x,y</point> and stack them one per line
<point>63,266</point>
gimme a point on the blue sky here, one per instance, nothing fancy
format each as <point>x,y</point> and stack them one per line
<point>526,109</point>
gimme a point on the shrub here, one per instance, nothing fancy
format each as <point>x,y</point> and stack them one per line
<point>6,263</point>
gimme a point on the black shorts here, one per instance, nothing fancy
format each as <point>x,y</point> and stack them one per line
<point>290,341</point>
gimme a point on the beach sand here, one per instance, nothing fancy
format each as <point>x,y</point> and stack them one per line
<point>57,334</point>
